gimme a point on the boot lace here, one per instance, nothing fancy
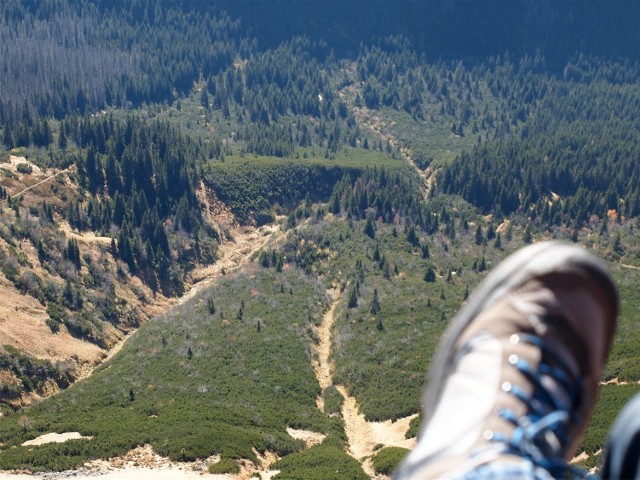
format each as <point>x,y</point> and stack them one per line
<point>542,435</point>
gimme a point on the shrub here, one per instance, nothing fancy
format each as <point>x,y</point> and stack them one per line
<point>333,400</point>
<point>321,462</point>
<point>24,168</point>
<point>56,313</point>
<point>388,459</point>
<point>414,427</point>
<point>225,465</point>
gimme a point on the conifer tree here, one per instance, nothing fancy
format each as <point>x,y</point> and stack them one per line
<point>430,276</point>
<point>353,299</point>
<point>375,303</point>
<point>369,229</point>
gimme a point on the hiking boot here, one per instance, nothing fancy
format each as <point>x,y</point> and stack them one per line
<point>622,453</point>
<point>516,375</point>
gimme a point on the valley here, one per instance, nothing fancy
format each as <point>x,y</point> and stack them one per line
<point>232,233</point>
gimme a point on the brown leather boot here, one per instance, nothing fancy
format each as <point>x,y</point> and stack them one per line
<point>516,376</point>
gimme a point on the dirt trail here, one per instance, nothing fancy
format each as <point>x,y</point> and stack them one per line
<point>50,177</point>
<point>322,365</point>
<point>87,369</point>
<point>233,254</point>
<point>630,267</point>
<point>363,436</point>
<point>374,122</point>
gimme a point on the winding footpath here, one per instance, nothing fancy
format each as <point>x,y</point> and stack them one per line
<point>363,437</point>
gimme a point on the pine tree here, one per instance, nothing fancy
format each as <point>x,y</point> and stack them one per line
<point>375,304</point>
<point>353,299</point>
<point>211,306</point>
<point>478,238</point>
<point>412,238</point>
<point>491,232</point>
<point>369,229</point>
<point>483,265</point>
<point>376,254</point>
<point>430,276</point>
<point>264,259</point>
<point>498,243</point>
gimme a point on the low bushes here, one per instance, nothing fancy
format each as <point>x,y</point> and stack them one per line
<point>225,465</point>
<point>388,459</point>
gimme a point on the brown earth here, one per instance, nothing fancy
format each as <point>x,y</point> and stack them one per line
<point>364,437</point>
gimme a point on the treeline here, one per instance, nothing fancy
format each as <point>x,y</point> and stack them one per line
<point>253,188</point>
<point>142,179</point>
<point>573,158</point>
<point>558,148</point>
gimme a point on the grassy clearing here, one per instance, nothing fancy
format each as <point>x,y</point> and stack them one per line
<point>358,158</point>
<point>428,139</point>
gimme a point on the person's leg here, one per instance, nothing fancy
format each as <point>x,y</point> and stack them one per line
<point>622,452</point>
<point>515,378</point>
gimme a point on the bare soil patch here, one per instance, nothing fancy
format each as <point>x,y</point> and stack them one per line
<point>322,365</point>
<point>22,325</point>
<point>85,238</point>
<point>363,436</point>
<point>307,436</point>
<point>232,255</point>
<point>14,161</point>
<point>55,438</point>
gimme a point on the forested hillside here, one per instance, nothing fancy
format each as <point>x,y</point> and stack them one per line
<point>318,185</point>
